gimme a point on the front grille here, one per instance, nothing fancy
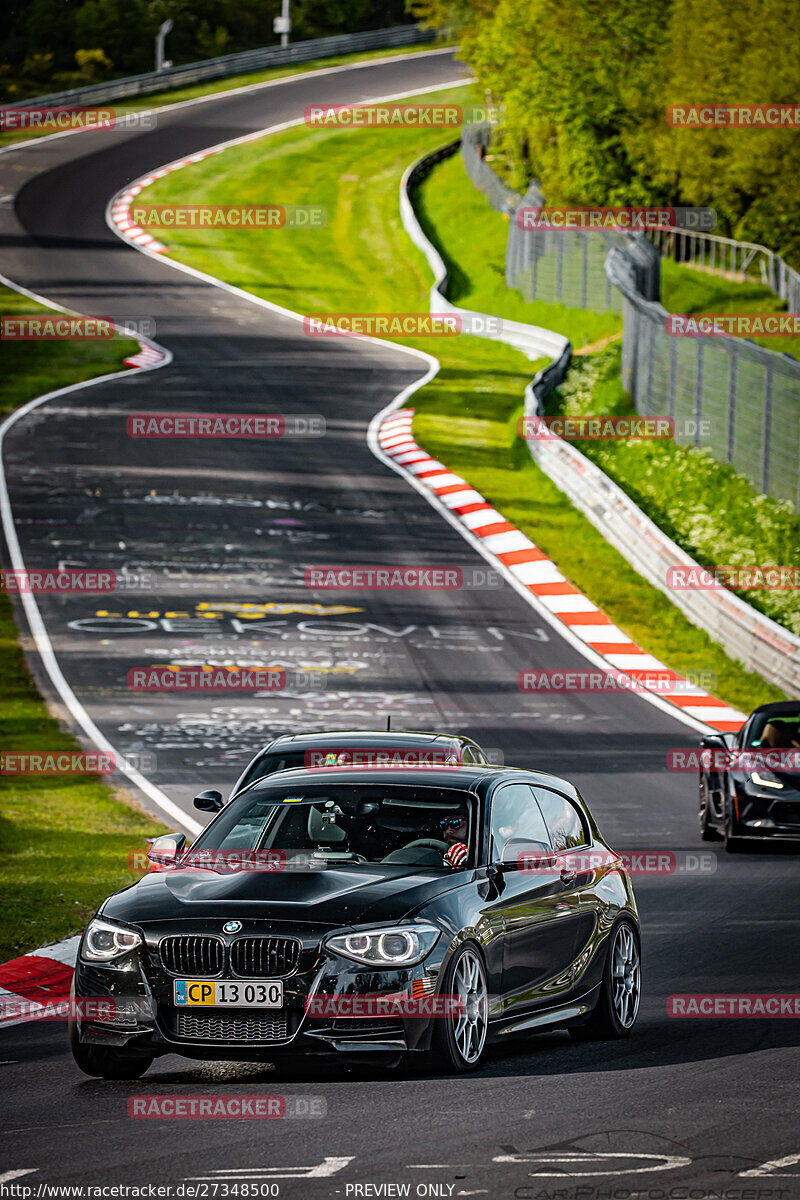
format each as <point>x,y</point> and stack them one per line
<point>219,1027</point>
<point>197,955</point>
<point>785,813</point>
<point>264,957</point>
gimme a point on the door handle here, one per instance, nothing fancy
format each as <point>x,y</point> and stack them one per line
<point>568,875</point>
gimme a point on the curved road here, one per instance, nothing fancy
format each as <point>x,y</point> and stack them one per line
<point>221,532</point>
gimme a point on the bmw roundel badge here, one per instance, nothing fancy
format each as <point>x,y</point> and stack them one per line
<point>231,926</point>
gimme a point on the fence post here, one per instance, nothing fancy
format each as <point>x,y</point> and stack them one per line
<point>767,426</point>
<point>652,334</point>
<point>732,403</point>
<point>698,392</point>
<point>673,375</point>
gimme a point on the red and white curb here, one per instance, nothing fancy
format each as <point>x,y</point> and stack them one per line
<point>120,211</point>
<point>540,575</point>
<point>148,356</point>
<point>36,980</point>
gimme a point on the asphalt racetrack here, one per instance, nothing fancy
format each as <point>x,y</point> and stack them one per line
<point>222,531</point>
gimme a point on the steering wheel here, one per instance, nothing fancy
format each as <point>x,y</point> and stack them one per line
<point>428,844</point>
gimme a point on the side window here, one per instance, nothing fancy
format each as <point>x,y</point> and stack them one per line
<point>563,820</point>
<point>466,755</point>
<point>515,814</point>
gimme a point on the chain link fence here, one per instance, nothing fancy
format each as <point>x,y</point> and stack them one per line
<point>741,401</point>
<point>560,267</point>
<point>737,399</point>
<point>474,145</point>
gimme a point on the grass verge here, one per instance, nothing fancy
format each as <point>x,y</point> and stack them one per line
<point>362,260</point>
<point>64,840</point>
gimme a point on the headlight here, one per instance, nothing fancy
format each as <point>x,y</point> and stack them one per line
<point>105,940</point>
<point>762,782</point>
<point>393,947</point>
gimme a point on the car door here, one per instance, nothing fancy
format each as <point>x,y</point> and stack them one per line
<point>571,841</point>
<point>538,918</point>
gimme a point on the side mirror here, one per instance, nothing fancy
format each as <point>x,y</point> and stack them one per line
<point>209,801</point>
<point>166,850</point>
<point>718,741</point>
<point>524,854</point>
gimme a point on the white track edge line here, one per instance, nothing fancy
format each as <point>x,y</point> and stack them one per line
<point>36,623</point>
<point>35,620</point>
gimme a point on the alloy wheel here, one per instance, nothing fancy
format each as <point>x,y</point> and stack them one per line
<point>469,1023</point>
<point>625,976</point>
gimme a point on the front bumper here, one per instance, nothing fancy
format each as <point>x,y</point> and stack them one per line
<point>146,1018</point>
<point>768,813</point>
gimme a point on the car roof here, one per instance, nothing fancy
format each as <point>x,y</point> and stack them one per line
<point>460,778</point>
<point>778,708</point>
<point>366,737</point>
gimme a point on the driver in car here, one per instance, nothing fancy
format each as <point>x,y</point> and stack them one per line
<point>454,833</point>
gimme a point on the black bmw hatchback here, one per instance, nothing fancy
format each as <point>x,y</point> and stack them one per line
<point>354,912</point>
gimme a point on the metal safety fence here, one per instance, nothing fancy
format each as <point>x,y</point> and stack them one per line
<point>744,399</point>
<point>561,267</point>
<point>732,259</point>
<point>759,642</point>
<point>741,400</point>
<point>474,145</point>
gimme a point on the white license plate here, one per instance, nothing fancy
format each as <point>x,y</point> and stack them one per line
<point>229,993</point>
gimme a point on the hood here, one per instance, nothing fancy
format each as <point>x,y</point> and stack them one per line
<point>333,897</point>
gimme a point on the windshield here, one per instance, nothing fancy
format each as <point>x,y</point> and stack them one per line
<point>270,763</point>
<point>347,754</point>
<point>348,822</point>
<point>777,732</point>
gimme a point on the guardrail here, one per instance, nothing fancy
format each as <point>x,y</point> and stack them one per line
<point>530,339</point>
<point>234,64</point>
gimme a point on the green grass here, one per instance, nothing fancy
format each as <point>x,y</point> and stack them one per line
<point>28,369</point>
<point>474,254</point>
<point>215,87</point>
<point>491,456</point>
<point>64,840</point>
<point>362,260</point>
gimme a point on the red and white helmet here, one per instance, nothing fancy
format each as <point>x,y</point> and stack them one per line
<point>456,856</point>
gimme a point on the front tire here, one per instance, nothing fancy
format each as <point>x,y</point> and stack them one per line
<point>459,1039</point>
<point>617,1006</point>
<point>708,832</point>
<point>106,1062</point>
